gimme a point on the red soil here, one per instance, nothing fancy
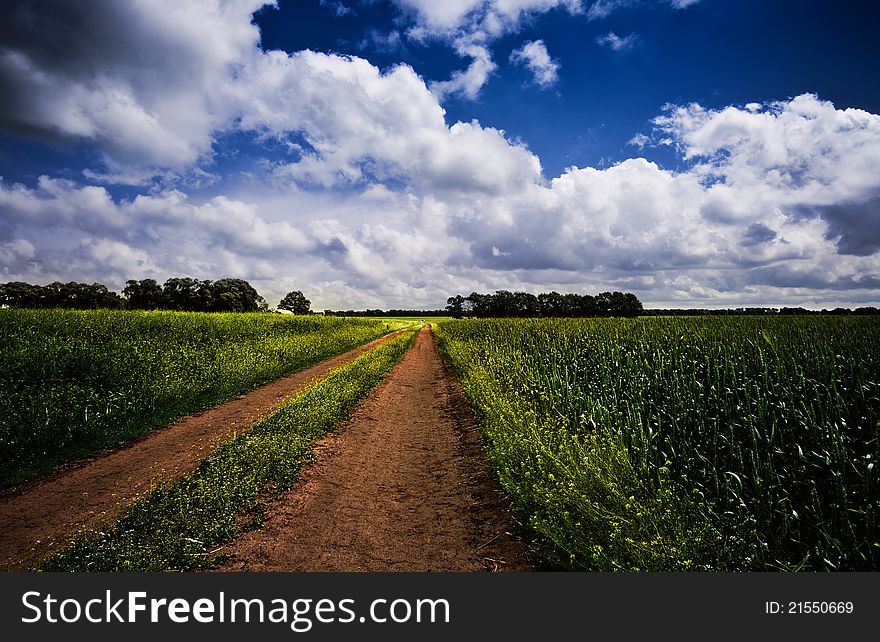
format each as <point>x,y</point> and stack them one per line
<point>403,486</point>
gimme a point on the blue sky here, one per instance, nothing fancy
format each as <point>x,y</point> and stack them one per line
<point>392,153</point>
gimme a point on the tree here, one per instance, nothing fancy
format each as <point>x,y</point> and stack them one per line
<point>296,302</point>
<point>18,294</point>
<point>547,304</point>
<point>455,306</point>
<point>182,293</point>
<point>233,295</point>
<point>72,295</point>
<point>552,304</point>
<point>145,294</point>
<point>83,296</point>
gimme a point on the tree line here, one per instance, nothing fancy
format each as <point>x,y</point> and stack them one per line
<point>758,311</point>
<point>237,295</point>
<point>177,293</point>
<point>394,312</point>
<point>548,304</point>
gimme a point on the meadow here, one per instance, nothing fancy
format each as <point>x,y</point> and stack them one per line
<point>648,444</point>
<point>659,444</point>
<point>75,382</point>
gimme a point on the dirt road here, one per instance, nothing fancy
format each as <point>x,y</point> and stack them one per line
<point>403,486</point>
<point>36,518</point>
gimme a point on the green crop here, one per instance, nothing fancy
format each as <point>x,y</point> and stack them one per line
<point>176,526</point>
<point>683,443</point>
<point>75,382</point>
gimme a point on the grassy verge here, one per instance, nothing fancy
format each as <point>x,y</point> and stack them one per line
<point>174,527</point>
<point>73,383</point>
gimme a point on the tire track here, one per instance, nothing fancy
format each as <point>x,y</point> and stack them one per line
<point>402,486</point>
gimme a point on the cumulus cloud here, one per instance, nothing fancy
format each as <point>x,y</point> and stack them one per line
<point>536,58</point>
<point>639,140</point>
<point>471,209</point>
<point>471,26</point>
<point>143,81</point>
<point>442,16</point>
<point>65,231</point>
<point>288,240</point>
<point>470,81</point>
<point>490,17</point>
<point>617,43</point>
<point>802,156</point>
<point>363,126</point>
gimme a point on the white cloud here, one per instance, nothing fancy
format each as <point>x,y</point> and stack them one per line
<point>144,81</point>
<point>617,43</point>
<point>469,82</point>
<point>802,156</point>
<point>442,16</point>
<point>804,148</point>
<point>603,8</point>
<point>639,140</point>
<point>365,126</point>
<point>471,26</point>
<point>536,58</point>
<point>491,17</point>
<point>781,203</point>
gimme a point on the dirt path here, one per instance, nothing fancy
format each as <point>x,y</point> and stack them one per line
<point>38,517</point>
<point>403,486</point>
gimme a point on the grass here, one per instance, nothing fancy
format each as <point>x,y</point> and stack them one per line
<point>683,444</point>
<point>75,382</point>
<point>175,527</point>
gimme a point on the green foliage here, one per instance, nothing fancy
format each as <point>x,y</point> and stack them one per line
<point>191,295</point>
<point>145,294</point>
<point>295,302</point>
<point>674,443</point>
<point>72,295</point>
<point>176,526</point>
<point>74,382</point>
<point>506,304</point>
<point>183,294</point>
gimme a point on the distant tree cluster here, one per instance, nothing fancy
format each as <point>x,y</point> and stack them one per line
<point>81,296</point>
<point>193,295</point>
<point>295,302</point>
<point>178,293</point>
<point>385,313</point>
<point>550,304</point>
<point>659,312</point>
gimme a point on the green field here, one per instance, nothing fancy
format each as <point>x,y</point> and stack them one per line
<point>75,382</point>
<point>654,444</point>
<point>173,527</point>
<point>682,443</point>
